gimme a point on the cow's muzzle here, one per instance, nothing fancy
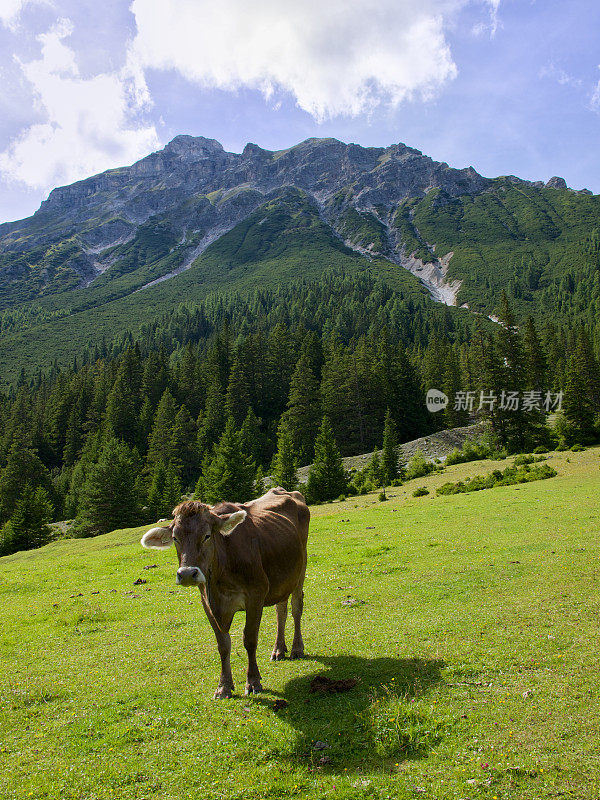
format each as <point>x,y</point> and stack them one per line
<point>190,576</point>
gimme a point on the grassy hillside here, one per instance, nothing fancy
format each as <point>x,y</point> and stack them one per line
<point>470,623</point>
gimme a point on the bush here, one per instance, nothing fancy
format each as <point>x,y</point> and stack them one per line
<point>420,492</point>
<point>577,448</point>
<point>471,451</point>
<point>511,475</point>
<point>541,449</point>
<point>418,466</point>
<point>382,496</point>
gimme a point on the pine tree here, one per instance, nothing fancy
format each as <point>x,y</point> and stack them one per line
<point>254,443</point>
<point>185,448</point>
<point>23,467</point>
<point>517,429</point>
<point>389,460</point>
<point>28,526</point>
<point>229,474</point>
<point>164,492</point>
<point>120,419</point>
<point>213,419</point>
<point>237,398</point>
<point>326,478</point>
<point>303,412</point>
<point>374,469</point>
<point>160,442</point>
<point>536,364</point>
<point>582,391</point>
<point>110,496</point>
<point>89,456</point>
<point>172,489</point>
<point>284,461</point>
<point>156,492</point>
<point>259,482</point>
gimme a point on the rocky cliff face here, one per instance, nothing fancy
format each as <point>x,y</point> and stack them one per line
<point>197,191</point>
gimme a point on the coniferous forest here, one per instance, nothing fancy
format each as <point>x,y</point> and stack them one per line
<point>216,395</point>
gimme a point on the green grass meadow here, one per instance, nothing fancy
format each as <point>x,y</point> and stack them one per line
<point>470,623</point>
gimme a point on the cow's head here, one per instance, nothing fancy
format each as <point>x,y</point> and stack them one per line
<point>193,532</point>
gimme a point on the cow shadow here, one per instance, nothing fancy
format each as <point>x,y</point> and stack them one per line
<point>377,722</point>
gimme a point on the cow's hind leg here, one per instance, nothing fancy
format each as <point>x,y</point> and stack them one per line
<point>297,607</point>
<point>253,617</point>
<point>279,651</point>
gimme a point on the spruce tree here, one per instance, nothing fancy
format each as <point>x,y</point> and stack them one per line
<point>259,482</point>
<point>374,469</point>
<point>110,496</point>
<point>237,398</point>
<point>389,459</point>
<point>120,419</point>
<point>229,474</point>
<point>284,461</point>
<point>582,391</point>
<point>213,419</point>
<point>156,492</point>
<point>185,456</point>
<point>303,412</point>
<point>28,526</point>
<point>254,442</point>
<point>326,478</point>
<point>23,467</point>
<point>535,359</point>
<point>160,442</point>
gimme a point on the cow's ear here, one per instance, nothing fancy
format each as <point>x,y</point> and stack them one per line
<point>157,539</point>
<point>232,521</point>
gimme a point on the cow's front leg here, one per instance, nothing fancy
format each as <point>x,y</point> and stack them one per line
<point>220,625</point>
<point>225,687</point>
<point>280,649</point>
<point>253,616</point>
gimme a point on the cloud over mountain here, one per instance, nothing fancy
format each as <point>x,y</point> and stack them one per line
<point>335,58</point>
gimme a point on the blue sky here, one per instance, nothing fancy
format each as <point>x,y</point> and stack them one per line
<point>509,86</point>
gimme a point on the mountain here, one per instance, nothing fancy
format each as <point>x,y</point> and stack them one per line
<point>103,255</point>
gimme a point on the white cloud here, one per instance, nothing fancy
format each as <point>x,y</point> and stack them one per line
<point>559,75</point>
<point>595,97</point>
<point>336,57</point>
<point>10,10</point>
<point>88,124</point>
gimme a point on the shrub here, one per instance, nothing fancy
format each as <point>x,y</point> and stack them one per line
<point>471,451</point>
<point>541,449</point>
<point>523,473</point>
<point>577,448</point>
<point>420,492</point>
<point>382,496</point>
<point>418,466</point>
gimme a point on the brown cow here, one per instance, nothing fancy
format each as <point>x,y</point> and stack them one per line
<point>242,556</point>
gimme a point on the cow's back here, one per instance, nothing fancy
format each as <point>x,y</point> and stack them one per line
<point>275,532</point>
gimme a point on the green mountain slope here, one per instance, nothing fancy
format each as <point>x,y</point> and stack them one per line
<point>282,241</point>
<point>105,255</point>
<point>538,244</point>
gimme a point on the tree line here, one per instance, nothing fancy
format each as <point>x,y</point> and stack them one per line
<point>212,409</point>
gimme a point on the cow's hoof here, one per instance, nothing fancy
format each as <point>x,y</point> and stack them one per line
<point>297,654</point>
<point>254,688</point>
<point>278,655</point>
<point>224,693</point>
